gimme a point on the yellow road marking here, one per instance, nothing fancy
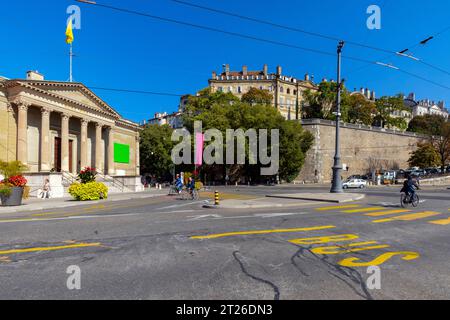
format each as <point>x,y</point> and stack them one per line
<point>86,210</point>
<point>325,239</point>
<point>409,217</point>
<point>385,213</point>
<point>364,210</point>
<point>72,246</point>
<point>442,222</point>
<point>338,207</point>
<point>356,262</point>
<point>240,233</point>
<point>349,248</point>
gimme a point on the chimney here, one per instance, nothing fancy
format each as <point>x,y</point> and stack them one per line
<point>214,75</point>
<point>244,70</point>
<point>367,93</point>
<point>279,70</point>
<point>412,96</point>
<point>226,69</point>
<point>265,70</point>
<point>306,77</point>
<point>361,90</point>
<point>34,75</point>
<point>373,96</point>
<point>441,105</point>
<point>324,80</point>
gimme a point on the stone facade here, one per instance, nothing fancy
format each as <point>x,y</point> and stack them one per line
<point>425,106</point>
<point>287,91</point>
<point>63,127</point>
<point>363,149</point>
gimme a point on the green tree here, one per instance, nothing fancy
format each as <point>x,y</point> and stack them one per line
<point>429,124</point>
<point>385,109</point>
<point>425,156</point>
<point>257,96</point>
<point>321,103</point>
<point>155,150</point>
<point>360,110</point>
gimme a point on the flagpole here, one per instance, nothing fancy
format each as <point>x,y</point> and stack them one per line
<point>71,55</point>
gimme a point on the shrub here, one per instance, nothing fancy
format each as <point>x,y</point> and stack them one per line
<point>87,175</point>
<point>12,168</point>
<point>88,191</point>
<point>12,171</point>
<point>5,189</point>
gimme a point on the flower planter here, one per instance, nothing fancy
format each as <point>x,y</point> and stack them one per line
<point>14,199</point>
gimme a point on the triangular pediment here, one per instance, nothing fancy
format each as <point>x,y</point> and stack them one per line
<point>75,92</point>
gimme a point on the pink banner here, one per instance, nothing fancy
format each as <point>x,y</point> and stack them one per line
<point>199,141</point>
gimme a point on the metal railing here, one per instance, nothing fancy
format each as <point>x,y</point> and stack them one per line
<point>114,181</point>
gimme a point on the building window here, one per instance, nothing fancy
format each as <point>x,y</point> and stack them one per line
<point>288,91</point>
<point>239,90</point>
<point>281,89</point>
<point>230,89</point>
<point>220,89</point>
<point>295,92</point>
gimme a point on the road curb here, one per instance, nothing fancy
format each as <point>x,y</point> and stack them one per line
<point>311,198</point>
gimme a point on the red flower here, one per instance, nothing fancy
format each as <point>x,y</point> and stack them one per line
<point>18,181</point>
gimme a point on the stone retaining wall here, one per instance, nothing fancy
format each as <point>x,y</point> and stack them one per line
<point>363,148</point>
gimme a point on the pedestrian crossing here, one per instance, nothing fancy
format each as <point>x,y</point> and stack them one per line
<point>386,214</point>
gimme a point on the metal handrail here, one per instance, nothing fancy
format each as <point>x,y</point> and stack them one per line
<point>116,182</point>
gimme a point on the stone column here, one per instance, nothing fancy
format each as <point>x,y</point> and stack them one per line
<point>110,152</point>
<point>22,132</point>
<point>98,148</point>
<point>138,167</point>
<point>9,145</point>
<point>65,142</point>
<point>84,144</point>
<point>45,140</point>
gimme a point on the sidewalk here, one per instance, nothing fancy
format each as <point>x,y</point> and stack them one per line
<point>34,204</point>
<point>322,197</point>
<point>257,203</point>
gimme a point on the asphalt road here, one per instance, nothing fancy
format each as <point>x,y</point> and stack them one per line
<point>164,248</point>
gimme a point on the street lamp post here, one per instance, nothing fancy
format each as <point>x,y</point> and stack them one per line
<point>336,186</point>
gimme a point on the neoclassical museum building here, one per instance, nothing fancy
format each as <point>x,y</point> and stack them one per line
<point>58,128</point>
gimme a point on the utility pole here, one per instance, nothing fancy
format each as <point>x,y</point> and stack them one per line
<point>336,186</point>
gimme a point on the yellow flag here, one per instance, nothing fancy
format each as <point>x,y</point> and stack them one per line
<point>69,33</point>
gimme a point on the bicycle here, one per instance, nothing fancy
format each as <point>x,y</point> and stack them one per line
<point>405,200</point>
<point>187,194</point>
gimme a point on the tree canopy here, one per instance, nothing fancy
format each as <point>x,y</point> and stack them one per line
<point>224,111</point>
<point>155,151</point>
<point>257,96</point>
<point>424,157</point>
<point>429,124</point>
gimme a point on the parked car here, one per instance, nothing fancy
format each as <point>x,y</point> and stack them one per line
<point>355,183</point>
<point>362,177</point>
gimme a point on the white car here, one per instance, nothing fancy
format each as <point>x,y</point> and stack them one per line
<point>355,183</point>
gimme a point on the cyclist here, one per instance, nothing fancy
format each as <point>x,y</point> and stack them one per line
<point>178,183</point>
<point>409,187</point>
<point>191,185</point>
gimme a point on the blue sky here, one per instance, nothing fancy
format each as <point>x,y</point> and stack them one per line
<point>118,50</point>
